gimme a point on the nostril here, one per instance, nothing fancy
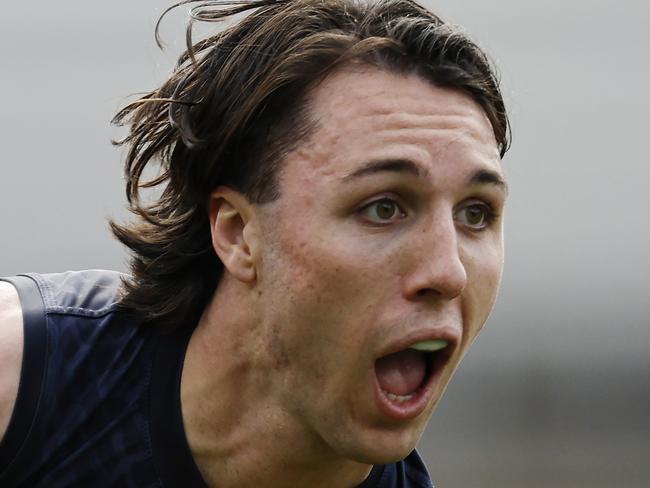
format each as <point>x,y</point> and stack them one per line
<point>425,292</point>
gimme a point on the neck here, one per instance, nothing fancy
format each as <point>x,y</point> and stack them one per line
<point>237,430</point>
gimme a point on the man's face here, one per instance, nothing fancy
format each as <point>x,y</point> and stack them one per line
<point>387,233</point>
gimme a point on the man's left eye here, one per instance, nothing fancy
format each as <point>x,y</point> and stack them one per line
<point>476,216</point>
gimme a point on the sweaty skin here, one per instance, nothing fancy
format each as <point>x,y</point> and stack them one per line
<point>353,259</point>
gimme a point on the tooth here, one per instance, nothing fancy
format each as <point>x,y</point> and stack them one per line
<point>397,398</point>
<point>429,346</point>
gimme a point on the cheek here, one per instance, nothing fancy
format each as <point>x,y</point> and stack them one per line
<point>319,259</point>
<point>324,282</point>
<point>310,291</point>
<point>326,295</point>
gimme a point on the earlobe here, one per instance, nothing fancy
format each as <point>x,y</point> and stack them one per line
<point>230,214</point>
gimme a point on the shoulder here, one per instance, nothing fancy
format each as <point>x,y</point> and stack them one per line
<point>89,292</point>
<point>25,300</point>
<point>81,389</point>
<point>11,351</point>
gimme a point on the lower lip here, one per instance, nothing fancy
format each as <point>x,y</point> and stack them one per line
<point>414,406</point>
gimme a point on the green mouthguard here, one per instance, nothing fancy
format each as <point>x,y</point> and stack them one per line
<point>429,346</point>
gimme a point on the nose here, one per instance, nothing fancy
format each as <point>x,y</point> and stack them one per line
<point>437,269</point>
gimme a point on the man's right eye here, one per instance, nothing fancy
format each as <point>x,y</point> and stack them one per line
<point>382,211</point>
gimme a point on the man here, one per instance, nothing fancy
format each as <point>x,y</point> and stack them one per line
<point>326,244</point>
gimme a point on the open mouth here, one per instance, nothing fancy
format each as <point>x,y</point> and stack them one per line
<point>405,379</point>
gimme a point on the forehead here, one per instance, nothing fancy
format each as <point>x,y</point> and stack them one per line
<point>365,113</point>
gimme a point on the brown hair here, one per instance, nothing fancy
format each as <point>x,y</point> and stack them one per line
<point>236,103</point>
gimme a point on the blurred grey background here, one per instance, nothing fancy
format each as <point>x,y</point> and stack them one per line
<point>556,391</point>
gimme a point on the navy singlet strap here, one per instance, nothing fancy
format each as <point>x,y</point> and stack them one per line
<point>12,448</point>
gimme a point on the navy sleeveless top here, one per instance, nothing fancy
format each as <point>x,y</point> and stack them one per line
<point>99,397</point>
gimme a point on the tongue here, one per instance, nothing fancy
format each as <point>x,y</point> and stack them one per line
<point>401,373</point>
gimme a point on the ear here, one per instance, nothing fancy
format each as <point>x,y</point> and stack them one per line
<point>233,238</point>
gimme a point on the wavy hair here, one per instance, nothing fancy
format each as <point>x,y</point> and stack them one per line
<point>237,103</point>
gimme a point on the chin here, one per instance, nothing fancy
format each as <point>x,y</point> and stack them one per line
<point>384,446</point>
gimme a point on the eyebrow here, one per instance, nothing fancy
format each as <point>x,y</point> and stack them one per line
<point>382,165</point>
<point>480,177</point>
<point>489,177</point>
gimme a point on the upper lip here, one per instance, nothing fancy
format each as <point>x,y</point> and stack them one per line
<point>446,333</point>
